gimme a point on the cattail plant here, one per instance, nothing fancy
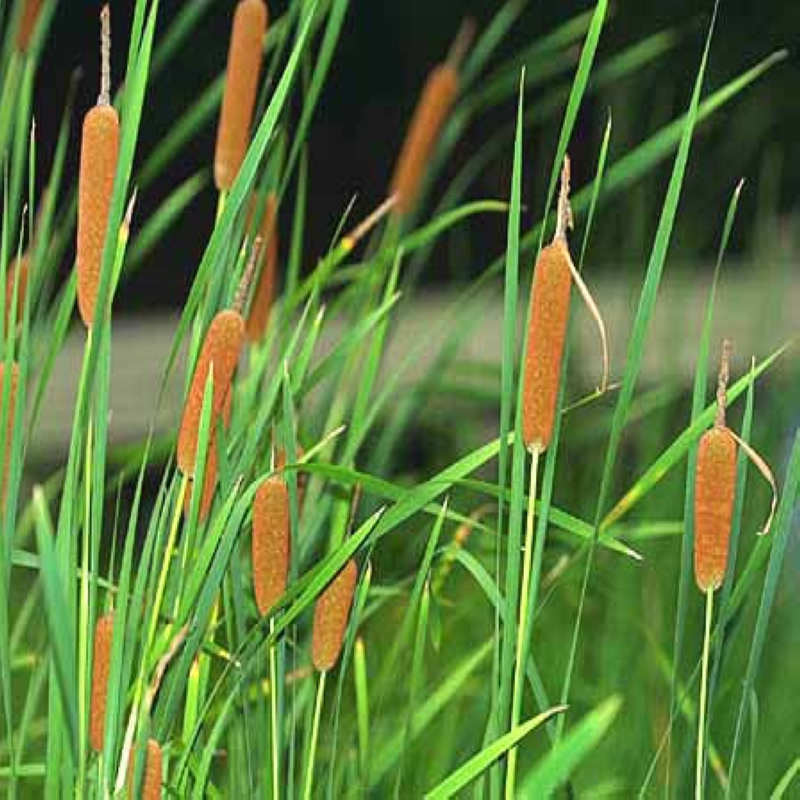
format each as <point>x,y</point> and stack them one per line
<point>714,491</point>
<point>27,23</point>
<point>153,771</point>
<point>103,633</point>
<point>17,273</point>
<point>221,347</point>
<point>12,404</point>
<point>331,613</point>
<point>271,542</point>
<point>437,98</point>
<point>241,83</point>
<point>99,153</point>
<point>271,547</point>
<point>264,295</point>
<point>551,288</point>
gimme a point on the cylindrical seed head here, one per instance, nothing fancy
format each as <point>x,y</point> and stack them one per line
<point>12,405</point>
<point>101,665</point>
<point>27,23</point>
<point>434,105</point>
<point>264,295</point>
<point>99,153</point>
<point>715,486</point>
<point>241,84</point>
<point>271,542</point>
<point>151,780</point>
<point>20,265</point>
<point>331,613</point>
<point>221,348</point>
<point>547,329</point>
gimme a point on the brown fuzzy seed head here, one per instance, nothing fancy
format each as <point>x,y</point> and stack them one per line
<point>21,265</point>
<point>99,153</point>
<point>221,347</point>
<point>12,405</point>
<point>547,330</point>
<point>271,542</point>
<point>713,506</point>
<point>27,23</point>
<point>152,777</point>
<point>103,632</point>
<point>434,105</point>
<point>241,84</point>
<point>330,618</point>
<point>264,295</point>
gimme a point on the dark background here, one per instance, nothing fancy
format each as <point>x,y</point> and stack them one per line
<point>384,53</point>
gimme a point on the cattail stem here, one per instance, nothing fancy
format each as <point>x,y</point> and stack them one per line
<point>104,98</point>
<point>522,624</point>
<point>564,219</point>
<point>701,716</point>
<point>273,712</point>
<point>462,43</point>
<point>83,643</point>
<point>312,748</point>
<point>722,383</point>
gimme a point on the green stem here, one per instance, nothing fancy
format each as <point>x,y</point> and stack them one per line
<point>312,749</point>
<point>519,670</point>
<point>701,716</point>
<point>83,630</point>
<point>273,718</point>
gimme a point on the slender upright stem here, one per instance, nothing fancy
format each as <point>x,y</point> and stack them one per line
<point>312,749</point>
<point>273,717</point>
<point>83,631</point>
<point>701,716</point>
<point>522,623</point>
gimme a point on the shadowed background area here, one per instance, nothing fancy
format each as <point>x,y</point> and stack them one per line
<point>385,52</point>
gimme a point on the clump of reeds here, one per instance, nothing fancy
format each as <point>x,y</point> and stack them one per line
<point>271,542</point>
<point>241,84</point>
<point>101,665</point>
<point>99,154</point>
<point>437,98</point>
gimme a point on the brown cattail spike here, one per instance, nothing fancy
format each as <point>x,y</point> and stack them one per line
<point>18,272</point>
<point>241,84</point>
<point>27,23</point>
<point>264,295</point>
<point>99,154</point>
<point>271,542</point>
<point>221,348</point>
<point>435,102</point>
<point>103,632</point>
<point>330,618</point>
<point>153,772</point>
<point>12,405</point>
<point>715,484</point>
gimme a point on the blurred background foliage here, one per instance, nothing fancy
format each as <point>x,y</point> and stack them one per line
<point>385,52</point>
